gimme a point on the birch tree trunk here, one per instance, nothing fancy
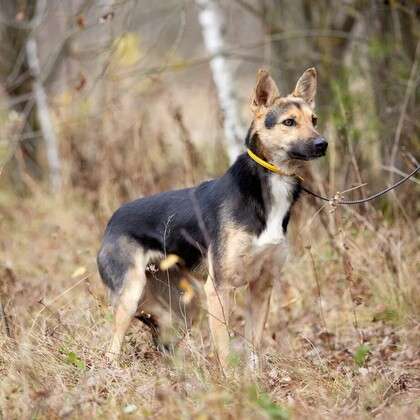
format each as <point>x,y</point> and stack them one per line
<point>44,117</point>
<point>211,20</point>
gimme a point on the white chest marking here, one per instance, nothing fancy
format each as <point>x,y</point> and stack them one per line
<point>281,195</point>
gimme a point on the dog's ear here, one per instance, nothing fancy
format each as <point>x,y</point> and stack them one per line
<point>306,87</point>
<point>265,90</point>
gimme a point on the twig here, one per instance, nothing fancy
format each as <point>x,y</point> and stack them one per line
<point>318,285</point>
<point>354,188</point>
<point>337,201</point>
<point>350,146</point>
<point>348,272</point>
<point>25,25</point>
<point>399,172</point>
<point>193,159</point>
<point>4,321</point>
<point>15,140</point>
<point>259,14</point>
<point>408,92</point>
<point>55,299</point>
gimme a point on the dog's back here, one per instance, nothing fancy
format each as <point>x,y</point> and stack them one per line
<point>162,224</point>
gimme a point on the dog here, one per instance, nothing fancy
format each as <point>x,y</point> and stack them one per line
<point>231,230</point>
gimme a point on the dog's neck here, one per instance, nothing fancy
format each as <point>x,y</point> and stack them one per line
<point>253,144</point>
<point>264,191</point>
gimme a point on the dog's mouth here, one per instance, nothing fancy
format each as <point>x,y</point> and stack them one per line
<point>305,156</point>
<point>308,150</point>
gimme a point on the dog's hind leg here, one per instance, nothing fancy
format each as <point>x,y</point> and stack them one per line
<point>127,303</point>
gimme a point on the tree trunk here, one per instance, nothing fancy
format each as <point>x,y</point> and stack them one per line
<point>23,80</point>
<point>14,70</point>
<point>211,21</point>
<point>44,118</point>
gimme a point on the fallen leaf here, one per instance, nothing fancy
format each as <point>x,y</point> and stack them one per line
<point>169,261</point>
<point>129,409</point>
<point>81,22</point>
<point>81,83</point>
<point>78,272</point>
<point>185,285</point>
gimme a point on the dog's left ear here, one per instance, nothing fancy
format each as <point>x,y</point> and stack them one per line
<point>306,87</point>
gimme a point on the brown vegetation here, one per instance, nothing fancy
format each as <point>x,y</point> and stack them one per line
<point>343,333</point>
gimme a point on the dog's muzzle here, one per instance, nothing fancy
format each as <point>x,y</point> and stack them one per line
<point>310,149</point>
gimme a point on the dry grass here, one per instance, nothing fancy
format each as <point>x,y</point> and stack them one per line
<point>53,366</point>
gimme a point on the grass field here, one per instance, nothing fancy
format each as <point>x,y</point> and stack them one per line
<point>342,339</point>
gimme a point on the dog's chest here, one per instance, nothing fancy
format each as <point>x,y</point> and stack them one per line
<point>281,197</point>
<point>246,255</point>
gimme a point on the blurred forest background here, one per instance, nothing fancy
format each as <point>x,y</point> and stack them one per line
<point>128,88</point>
<point>103,101</point>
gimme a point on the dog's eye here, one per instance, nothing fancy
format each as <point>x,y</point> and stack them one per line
<point>290,122</point>
<point>314,120</point>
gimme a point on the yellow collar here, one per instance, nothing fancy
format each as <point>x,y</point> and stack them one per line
<point>269,166</point>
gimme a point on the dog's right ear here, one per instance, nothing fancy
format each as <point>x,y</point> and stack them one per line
<point>266,90</point>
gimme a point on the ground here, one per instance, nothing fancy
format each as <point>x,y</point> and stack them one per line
<point>341,340</point>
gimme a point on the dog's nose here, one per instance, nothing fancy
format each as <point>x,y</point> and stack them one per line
<point>320,145</point>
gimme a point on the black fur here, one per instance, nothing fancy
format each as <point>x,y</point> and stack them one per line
<point>295,196</point>
<point>248,138</point>
<point>271,119</point>
<point>253,143</point>
<point>285,221</point>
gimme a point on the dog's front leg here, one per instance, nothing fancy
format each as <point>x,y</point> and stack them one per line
<point>218,308</point>
<point>258,303</point>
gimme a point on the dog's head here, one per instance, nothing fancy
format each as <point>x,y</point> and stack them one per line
<point>284,127</point>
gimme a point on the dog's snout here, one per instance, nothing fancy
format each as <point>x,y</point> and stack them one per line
<point>320,145</point>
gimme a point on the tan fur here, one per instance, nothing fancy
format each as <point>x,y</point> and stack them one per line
<point>276,141</point>
<point>258,303</point>
<point>241,263</point>
<point>128,302</point>
<point>299,105</point>
<point>265,92</point>
<point>306,87</point>
<point>236,255</point>
<point>146,293</point>
<point>219,297</point>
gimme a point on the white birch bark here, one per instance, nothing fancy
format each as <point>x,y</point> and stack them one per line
<point>211,20</point>
<point>44,116</point>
